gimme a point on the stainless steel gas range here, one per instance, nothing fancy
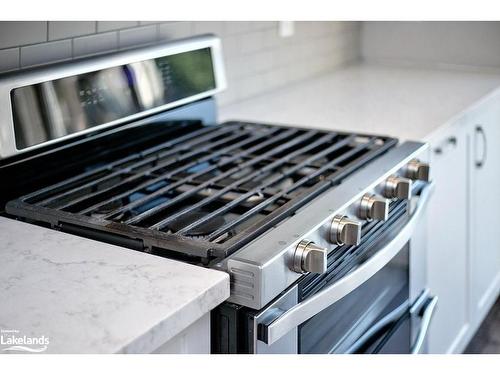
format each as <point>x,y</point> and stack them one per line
<point>322,232</point>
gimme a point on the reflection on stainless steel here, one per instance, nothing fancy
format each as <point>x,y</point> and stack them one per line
<point>73,104</point>
<point>53,111</point>
<point>31,128</point>
<point>72,109</point>
<point>149,87</point>
<point>108,95</point>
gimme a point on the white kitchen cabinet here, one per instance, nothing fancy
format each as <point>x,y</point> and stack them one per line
<point>447,241</point>
<point>483,128</point>
<point>195,339</point>
<point>463,224</point>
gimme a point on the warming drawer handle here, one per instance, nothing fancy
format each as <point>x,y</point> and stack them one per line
<point>379,327</point>
<point>430,308</point>
<point>273,331</point>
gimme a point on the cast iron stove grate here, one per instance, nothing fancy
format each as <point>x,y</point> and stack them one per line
<point>204,193</point>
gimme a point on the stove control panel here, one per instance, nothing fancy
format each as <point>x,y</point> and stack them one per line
<point>345,227</point>
<point>331,226</point>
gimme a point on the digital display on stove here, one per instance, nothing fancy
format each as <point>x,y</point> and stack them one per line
<point>54,109</point>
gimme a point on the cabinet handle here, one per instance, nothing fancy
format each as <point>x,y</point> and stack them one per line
<point>480,131</point>
<point>450,142</point>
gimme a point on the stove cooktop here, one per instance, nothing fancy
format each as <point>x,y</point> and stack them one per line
<point>203,193</point>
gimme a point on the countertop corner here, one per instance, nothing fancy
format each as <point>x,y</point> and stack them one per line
<point>86,296</point>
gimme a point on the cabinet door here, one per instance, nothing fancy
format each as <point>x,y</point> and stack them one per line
<point>484,182</point>
<point>447,242</point>
<point>195,339</point>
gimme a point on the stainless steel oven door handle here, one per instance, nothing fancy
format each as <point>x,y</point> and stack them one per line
<point>427,315</point>
<point>306,309</point>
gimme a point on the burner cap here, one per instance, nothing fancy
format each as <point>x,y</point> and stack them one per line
<point>203,229</point>
<point>106,209</point>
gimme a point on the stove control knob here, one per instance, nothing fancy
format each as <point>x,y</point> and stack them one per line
<point>372,207</point>
<point>345,231</point>
<point>309,257</point>
<point>416,170</point>
<point>398,187</point>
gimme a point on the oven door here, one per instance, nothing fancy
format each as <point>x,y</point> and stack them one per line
<point>371,309</point>
<point>344,327</point>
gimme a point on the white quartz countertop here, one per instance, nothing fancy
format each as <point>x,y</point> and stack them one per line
<point>90,297</point>
<point>404,102</point>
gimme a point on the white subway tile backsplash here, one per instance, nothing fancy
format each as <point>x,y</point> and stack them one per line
<point>248,65</point>
<point>251,42</point>
<point>272,38</point>
<point>257,59</point>
<point>250,86</point>
<point>264,25</point>
<point>241,27</point>
<point>237,27</point>
<point>69,29</point>
<point>18,33</point>
<point>9,59</point>
<point>149,22</point>
<point>209,27</point>
<point>114,25</point>
<point>137,36</point>
<point>46,52</point>
<point>264,61</point>
<point>93,44</point>
<point>175,30</point>
<point>231,45</point>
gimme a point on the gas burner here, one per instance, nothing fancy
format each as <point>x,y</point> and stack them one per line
<point>102,211</point>
<point>227,197</point>
<point>200,231</point>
